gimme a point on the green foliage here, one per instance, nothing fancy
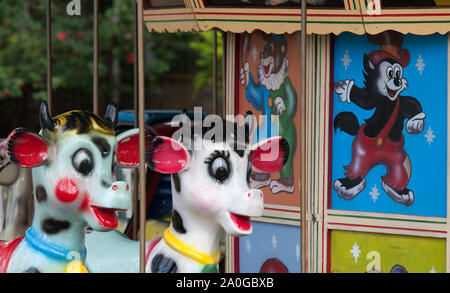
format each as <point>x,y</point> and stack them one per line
<point>205,47</point>
<point>23,50</point>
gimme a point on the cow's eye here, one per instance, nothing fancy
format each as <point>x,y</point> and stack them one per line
<point>219,167</point>
<point>82,161</point>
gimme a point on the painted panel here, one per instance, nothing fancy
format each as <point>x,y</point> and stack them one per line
<point>271,247</point>
<point>268,85</point>
<point>386,158</point>
<point>360,252</point>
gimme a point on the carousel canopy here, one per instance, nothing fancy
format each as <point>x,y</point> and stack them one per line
<point>421,17</point>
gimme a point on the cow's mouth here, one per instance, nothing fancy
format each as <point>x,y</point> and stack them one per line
<point>243,223</point>
<point>267,69</point>
<point>106,217</point>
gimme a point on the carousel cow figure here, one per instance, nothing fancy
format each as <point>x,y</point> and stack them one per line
<point>72,161</point>
<point>18,212</point>
<point>211,193</point>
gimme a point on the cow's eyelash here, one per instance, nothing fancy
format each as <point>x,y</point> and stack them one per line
<point>216,154</point>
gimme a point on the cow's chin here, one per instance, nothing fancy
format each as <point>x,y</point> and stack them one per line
<point>236,225</point>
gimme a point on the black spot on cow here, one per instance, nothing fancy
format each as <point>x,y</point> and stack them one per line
<point>52,226</point>
<point>177,222</point>
<point>176,182</point>
<point>41,194</point>
<point>31,270</point>
<point>102,145</point>
<point>163,264</point>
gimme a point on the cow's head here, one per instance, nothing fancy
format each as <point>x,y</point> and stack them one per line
<point>73,159</point>
<point>213,183</point>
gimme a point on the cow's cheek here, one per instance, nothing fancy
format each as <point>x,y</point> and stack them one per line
<point>203,197</point>
<point>66,190</point>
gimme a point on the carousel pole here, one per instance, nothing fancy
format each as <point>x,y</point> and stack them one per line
<point>134,199</point>
<point>303,140</point>
<point>215,72</point>
<point>95,61</point>
<point>49,54</point>
<point>142,165</point>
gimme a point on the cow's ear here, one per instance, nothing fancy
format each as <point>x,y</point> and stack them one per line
<point>128,148</point>
<point>166,155</point>
<point>270,155</point>
<point>26,149</point>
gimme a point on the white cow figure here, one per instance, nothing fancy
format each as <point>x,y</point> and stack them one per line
<point>211,192</point>
<point>72,161</point>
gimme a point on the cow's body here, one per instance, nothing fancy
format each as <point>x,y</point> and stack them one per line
<point>72,161</point>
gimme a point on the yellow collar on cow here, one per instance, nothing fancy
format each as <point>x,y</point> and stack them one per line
<point>189,250</point>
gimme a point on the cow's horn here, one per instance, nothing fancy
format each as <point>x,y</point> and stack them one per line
<point>44,117</point>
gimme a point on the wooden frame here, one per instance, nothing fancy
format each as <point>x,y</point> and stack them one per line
<point>322,23</point>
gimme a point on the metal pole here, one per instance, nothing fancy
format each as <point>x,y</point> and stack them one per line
<point>215,72</point>
<point>95,90</point>
<point>49,54</point>
<point>142,166</point>
<point>303,138</point>
<point>134,199</point>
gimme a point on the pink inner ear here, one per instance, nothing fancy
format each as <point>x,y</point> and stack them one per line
<point>26,148</point>
<point>128,151</point>
<point>270,156</point>
<point>167,155</point>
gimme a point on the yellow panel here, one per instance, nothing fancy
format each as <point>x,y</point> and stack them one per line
<point>359,252</point>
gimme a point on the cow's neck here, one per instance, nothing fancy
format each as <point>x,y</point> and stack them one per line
<point>66,234</point>
<point>200,232</point>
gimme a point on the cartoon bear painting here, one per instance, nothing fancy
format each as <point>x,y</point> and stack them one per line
<point>273,94</point>
<point>380,140</point>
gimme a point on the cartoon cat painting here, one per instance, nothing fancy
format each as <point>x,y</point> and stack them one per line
<point>380,140</point>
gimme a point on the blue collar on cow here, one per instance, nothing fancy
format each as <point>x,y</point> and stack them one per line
<point>51,250</point>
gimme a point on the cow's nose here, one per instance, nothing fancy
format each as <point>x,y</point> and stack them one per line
<point>120,186</point>
<point>254,193</point>
<point>397,82</point>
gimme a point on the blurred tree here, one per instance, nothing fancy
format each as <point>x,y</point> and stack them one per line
<point>22,54</point>
<point>23,60</point>
<point>204,45</point>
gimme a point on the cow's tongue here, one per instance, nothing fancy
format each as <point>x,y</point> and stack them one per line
<point>242,222</point>
<point>266,69</point>
<point>106,217</point>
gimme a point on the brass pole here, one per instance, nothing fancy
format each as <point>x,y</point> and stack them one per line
<point>215,72</point>
<point>134,199</point>
<point>303,139</point>
<point>142,166</point>
<point>95,61</point>
<point>49,54</point>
